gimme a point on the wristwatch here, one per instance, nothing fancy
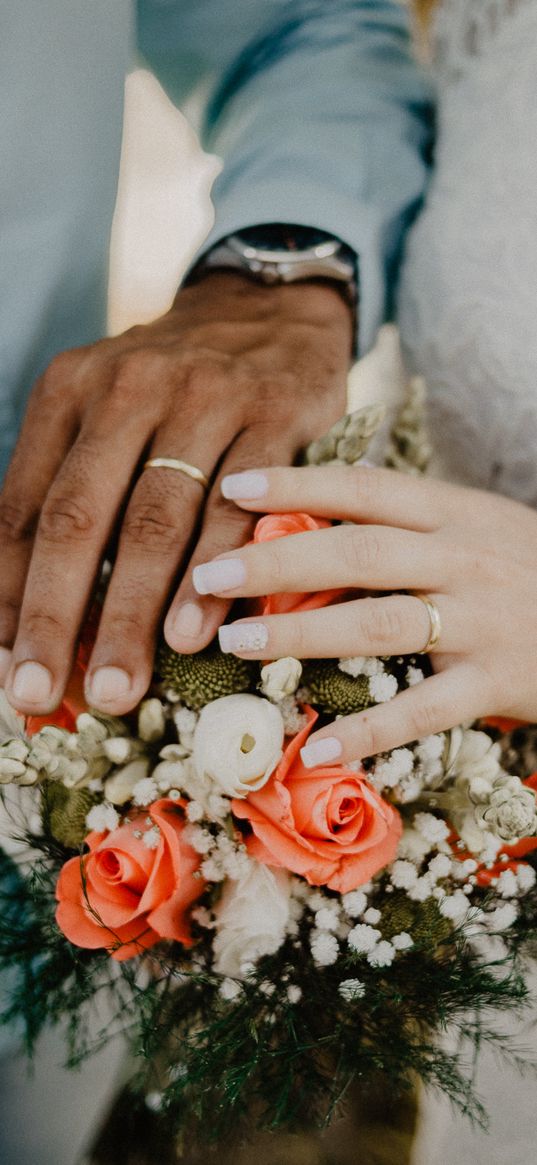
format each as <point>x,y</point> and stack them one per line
<point>276,253</point>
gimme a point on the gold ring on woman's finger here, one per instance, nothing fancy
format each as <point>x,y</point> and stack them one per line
<point>435,622</point>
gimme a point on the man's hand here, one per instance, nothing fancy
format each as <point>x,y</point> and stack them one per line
<point>234,375</point>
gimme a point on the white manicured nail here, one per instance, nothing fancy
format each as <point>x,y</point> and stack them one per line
<point>244,486</point>
<point>321,752</point>
<point>188,621</point>
<point>224,574</point>
<point>108,684</point>
<point>243,636</point>
<point>32,683</point>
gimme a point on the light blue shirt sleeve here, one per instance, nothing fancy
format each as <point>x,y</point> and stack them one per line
<point>321,115</point>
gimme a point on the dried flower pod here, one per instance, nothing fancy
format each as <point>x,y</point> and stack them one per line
<point>333,690</point>
<point>207,675</point>
<point>348,439</point>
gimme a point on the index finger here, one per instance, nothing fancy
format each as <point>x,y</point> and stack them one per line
<point>350,493</point>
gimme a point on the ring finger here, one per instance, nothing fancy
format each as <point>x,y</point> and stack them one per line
<point>160,518</point>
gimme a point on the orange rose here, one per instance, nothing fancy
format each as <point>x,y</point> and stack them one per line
<point>327,824</point>
<point>126,896</point>
<point>279,526</point>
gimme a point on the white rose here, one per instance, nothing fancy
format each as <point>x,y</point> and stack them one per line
<point>251,919</point>
<point>281,678</point>
<point>238,743</point>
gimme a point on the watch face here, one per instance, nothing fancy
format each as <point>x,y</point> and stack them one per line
<point>283,237</point>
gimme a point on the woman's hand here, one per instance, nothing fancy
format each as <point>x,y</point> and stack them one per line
<point>473,553</point>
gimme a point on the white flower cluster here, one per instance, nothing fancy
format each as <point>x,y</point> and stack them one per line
<point>487,807</point>
<point>382,685</point>
<point>230,750</point>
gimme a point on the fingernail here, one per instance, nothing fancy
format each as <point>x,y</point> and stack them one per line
<point>188,621</point>
<point>244,485</point>
<point>5,663</point>
<point>321,752</point>
<point>108,684</point>
<point>32,683</point>
<point>243,636</point>
<point>224,574</point>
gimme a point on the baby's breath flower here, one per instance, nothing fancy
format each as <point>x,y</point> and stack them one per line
<point>525,877</point>
<point>354,903</point>
<point>382,688</point>
<point>402,941</point>
<point>145,791</point>
<point>403,874</point>
<point>316,900</point>
<point>440,866</point>
<point>151,837</point>
<point>324,948</point>
<point>212,870</point>
<point>351,990</point>
<point>433,829</point>
<point>502,917</point>
<point>382,955</point>
<point>414,675</point>
<point>372,916</point>
<point>454,906</point>
<point>390,771</point>
<point>363,938</point>
<point>102,818</point>
<point>422,888</point>
<point>194,811</point>
<point>200,839</point>
<point>507,884</point>
<point>327,918</point>
<point>354,666</point>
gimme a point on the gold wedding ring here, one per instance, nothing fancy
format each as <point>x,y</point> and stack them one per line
<point>181,466</point>
<point>435,622</point>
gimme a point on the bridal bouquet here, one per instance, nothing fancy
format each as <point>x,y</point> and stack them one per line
<point>265,933</point>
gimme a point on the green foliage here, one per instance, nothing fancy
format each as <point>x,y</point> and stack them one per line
<point>198,679</point>
<point>259,1059</point>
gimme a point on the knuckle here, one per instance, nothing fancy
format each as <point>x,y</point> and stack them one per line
<point>424,720</point>
<point>361,551</point>
<point>125,628</point>
<point>384,626</point>
<point>41,625</point>
<point>66,519</point>
<point>135,373</point>
<point>17,523</point>
<point>147,525</point>
<point>56,378</point>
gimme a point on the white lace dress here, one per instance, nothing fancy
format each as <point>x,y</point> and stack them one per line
<point>468,296</point>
